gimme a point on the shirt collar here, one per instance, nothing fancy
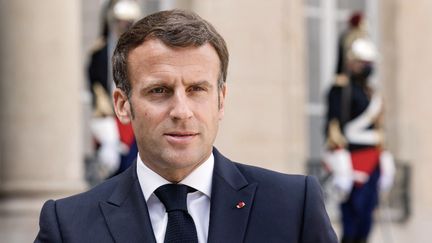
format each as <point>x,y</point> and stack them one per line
<point>200,178</point>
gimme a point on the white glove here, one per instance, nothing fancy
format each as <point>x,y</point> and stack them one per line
<point>109,157</point>
<point>339,162</point>
<point>388,171</point>
<point>105,130</point>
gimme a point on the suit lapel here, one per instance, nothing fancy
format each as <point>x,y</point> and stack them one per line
<point>126,211</point>
<point>228,222</point>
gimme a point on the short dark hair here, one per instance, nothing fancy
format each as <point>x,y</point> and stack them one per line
<point>175,28</point>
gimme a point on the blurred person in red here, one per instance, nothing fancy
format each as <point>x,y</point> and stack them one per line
<point>361,166</point>
<point>115,143</point>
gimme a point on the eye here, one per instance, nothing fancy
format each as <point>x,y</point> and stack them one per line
<point>196,88</point>
<point>159,90</point>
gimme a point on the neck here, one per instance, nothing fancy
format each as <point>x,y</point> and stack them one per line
<point>173,175</point>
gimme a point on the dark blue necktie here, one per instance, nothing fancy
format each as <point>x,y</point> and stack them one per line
<point>181,227</point>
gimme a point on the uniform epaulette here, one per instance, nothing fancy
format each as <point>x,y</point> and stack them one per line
<point>341,80</point>
<point>99,44</point>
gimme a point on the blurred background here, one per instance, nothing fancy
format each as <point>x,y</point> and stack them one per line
<point>282,61</point>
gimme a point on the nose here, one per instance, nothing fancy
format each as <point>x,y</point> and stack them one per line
<point>180,109</point>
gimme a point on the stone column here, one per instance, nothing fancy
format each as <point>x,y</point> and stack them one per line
<point>40,121</point>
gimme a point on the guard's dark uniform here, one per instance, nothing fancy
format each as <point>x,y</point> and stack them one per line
<point>98,68</point>
<point>98,74</point>
<point>354,138</point>
<point>346,103</point>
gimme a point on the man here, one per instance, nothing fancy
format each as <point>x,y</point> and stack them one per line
<point>356,28</point>
<point>115,146</point>
<point>360,165</point>
<point>170,70</point>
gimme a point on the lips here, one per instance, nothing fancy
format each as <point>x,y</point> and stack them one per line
<point>181,134</point>
<point>180,137</point>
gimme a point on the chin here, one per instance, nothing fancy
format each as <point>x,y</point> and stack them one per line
<point>185,158</point>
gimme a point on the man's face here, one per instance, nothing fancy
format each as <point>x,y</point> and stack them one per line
<point>357,66</point>
<point>174,107</point>
<point>360,69</point>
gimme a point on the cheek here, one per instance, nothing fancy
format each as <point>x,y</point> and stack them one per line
<point>150,119</point>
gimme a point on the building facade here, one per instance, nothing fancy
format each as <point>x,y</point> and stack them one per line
<point>273,103</point>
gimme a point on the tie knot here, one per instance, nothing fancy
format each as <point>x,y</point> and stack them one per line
<point>173,196</point>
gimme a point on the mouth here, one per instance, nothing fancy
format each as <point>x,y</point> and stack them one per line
<point>180,137</point>
<point>181,134</point>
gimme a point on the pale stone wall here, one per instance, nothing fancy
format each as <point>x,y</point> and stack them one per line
<point>265,116</point>
<point>406,39</point>
<point>40,78</point>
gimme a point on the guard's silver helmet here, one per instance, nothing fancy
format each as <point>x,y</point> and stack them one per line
<point>128,10</point>
<point>363,49</point>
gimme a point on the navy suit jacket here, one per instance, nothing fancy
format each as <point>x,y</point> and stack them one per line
<point>278,208</point>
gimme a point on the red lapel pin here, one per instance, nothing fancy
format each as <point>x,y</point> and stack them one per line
<point>240,204</point>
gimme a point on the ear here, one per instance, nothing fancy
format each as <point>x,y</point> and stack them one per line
<point>122,106</point>
<point>222,94</point>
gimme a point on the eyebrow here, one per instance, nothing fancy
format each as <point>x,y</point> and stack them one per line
<point>159,82</point>
<point>202,82</point>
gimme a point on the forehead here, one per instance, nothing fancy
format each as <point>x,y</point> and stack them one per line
<point>154,54</point>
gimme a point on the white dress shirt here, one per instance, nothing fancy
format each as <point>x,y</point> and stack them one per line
<point>198,203</point>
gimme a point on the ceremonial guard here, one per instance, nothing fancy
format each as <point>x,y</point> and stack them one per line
<point>354,136</point>
<point>114,142</point>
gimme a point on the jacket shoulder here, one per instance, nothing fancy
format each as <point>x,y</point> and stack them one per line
<point>90,198</point>
<point>272,178</point>
<point>294,201</point>
<point>295,187</point>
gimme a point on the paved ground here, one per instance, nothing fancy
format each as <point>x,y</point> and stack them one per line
<point>18,229</point>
